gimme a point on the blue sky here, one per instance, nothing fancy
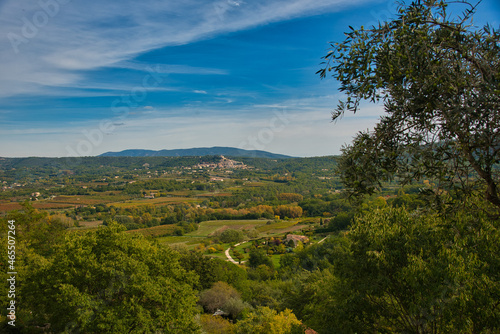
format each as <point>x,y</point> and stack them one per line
<point>86,77</point>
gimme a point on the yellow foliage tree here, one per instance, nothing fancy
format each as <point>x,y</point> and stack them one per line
<point>216,325</point>
<point>264,320</point>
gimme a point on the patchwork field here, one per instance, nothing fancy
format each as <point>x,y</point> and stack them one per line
<point>88,199</point>
<point>9,206</point>
<point>155,231</point>
<point>184,239</point>
<point>154,201</point>
<point>226,194</point>
<point>284,224</point>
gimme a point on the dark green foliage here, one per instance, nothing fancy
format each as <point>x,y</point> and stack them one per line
<point>237,255</point>
<point>330,204</point>
<point>410,201</point>
<point>37,228</point>
<point>231,236</point>
<point>108,281</point>
<point>262,272</point>
<point>403,267</point>
<point>406,272</point>
<point>264,293</point>
<point>341,221</point>
<point>258,257</point>
<point>126,221</point>
<point>211,270</point>
<point>314,257</point>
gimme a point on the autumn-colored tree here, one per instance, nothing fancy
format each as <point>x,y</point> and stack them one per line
<point>267,321</point>
<point>216,324</point>
<point>288,211</point>
<point>290,197</point>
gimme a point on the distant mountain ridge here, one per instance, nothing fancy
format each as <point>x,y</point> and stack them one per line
<point>199,151</point>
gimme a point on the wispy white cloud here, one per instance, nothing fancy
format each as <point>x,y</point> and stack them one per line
<point>51,45</point>
<point>167,69</point>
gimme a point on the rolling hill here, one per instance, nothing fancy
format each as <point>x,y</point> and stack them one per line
<point>200,151</point>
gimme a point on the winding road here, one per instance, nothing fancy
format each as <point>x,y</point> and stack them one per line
<point>229,258</point>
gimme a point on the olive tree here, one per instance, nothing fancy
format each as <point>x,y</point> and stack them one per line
<point>438,78</point>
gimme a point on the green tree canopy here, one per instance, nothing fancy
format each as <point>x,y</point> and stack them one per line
<point>258,257</point>
<point>112,282</point>
<point>439,80</point>
<point>402,272</point>
<point>211,270</point>
<point>231,235</point>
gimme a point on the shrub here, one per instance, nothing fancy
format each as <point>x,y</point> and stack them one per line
<point>216,324</point>
<point>217,296</point>
<point>230,236</point>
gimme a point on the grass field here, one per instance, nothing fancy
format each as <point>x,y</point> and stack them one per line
<point>184,239</point>
<point>276,260</point>
<point>174,239</point>
<point>276,226</point>
<point>219,255</point>
<point>240,248</point>
<point>155,231</point>
<point>209,227</point>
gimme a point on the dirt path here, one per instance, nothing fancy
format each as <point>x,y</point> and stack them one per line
<point>229,258</point>
<point>323,239</point>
